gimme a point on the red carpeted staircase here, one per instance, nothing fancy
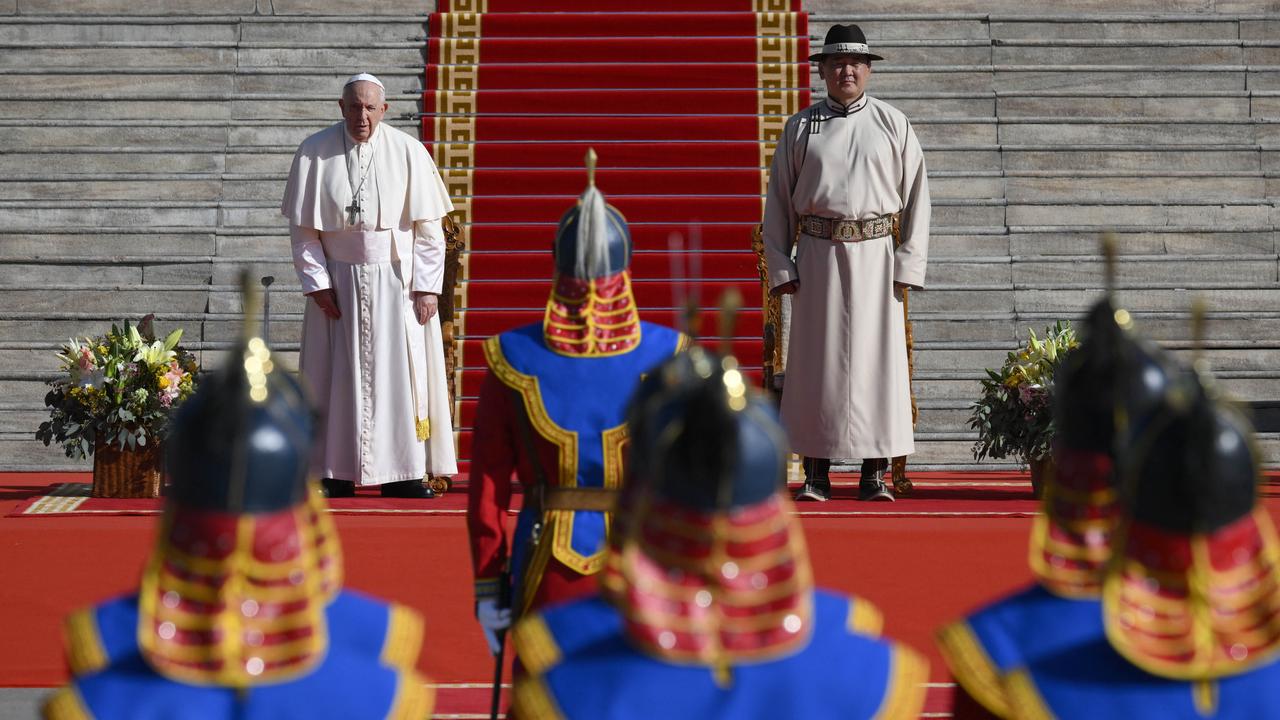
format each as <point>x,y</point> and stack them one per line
<point>681,102</point>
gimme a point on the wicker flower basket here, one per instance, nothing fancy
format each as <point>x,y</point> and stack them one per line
<point>127,473</point>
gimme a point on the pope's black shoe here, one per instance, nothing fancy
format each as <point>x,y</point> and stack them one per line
<point>338,488</point>
<point>871,485</point>
<point>815,489</point>
<point>408,489</point>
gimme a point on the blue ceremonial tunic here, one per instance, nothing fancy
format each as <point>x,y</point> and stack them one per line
<point>1094,681</point>
<point>586,398</point>
<point>1031,624</point>
<point>838,674</point>
<point>344,685</point>
<point>356,623</point>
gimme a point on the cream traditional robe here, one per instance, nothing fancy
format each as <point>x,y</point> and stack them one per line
<point>847,391</point>
<point>375,374</point>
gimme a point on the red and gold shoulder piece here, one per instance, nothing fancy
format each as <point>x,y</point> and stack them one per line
<point>713,589</point>
<point>592,318</point>
<point>233,600</point>
<point>1197,607</point>
<point>1071,540</point>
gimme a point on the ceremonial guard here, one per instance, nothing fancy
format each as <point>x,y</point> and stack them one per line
<point>240,612</point>
<point>552,411</point>
<point>708,608</point>
<point>1189,620</point>
<point>1070,539</point>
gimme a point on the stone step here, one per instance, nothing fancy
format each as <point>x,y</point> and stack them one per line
<point>319,106</point>
<point>273,259</point>
<point>232,58</point>
<point>1145,27</point>
<point>935,329</point>
<point>116,83</point>
<point>1020,24</point>
<point>1067,300</point>
<point>1181,53</point>
<point>81,133</point>
<point>1137,158</point>
<point>943,184</point>
<point>933,132</point>
<point>1221,104</point>
<point>1253,213</point>
<point>86,9</point>
<point>1237,213</point>
<point>1130,131</point>
<point>1186,240</point>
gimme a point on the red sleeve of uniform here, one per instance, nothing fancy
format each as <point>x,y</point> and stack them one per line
<point>493,458</point>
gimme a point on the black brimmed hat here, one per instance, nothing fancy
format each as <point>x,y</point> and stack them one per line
<point>844,40</point>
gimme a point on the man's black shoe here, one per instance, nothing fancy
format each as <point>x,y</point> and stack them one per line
<point>818,489</point>
<point>871,485</point>
<point>413,489</point>
<point>874,490</point>
<point>338,488</point>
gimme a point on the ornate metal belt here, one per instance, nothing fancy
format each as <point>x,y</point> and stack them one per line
<point>838,230</point>
<point>580,498</point>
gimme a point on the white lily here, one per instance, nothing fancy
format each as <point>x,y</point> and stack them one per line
<point>159,352</point>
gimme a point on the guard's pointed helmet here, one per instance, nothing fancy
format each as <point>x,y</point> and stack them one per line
<point>592,311</point>
<point>1113,381</point>
<point>1194,592</point>
<point>592,239</point>
<point>247,558</point>
<point>707,565</point>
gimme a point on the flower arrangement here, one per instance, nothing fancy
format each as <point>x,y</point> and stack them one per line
<point>119,389</point>
<point>1014,416</point>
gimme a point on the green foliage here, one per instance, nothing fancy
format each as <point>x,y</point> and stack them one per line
<point>120,388</point>
<point>1014,416</point>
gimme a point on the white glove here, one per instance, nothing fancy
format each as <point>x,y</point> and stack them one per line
<point>493,621</point>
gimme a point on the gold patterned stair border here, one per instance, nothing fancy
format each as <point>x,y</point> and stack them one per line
<point>453,147</point>
<point>779,71</point>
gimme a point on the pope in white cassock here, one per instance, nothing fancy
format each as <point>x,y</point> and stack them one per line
<point>365,202</point>
<point>848,185</point>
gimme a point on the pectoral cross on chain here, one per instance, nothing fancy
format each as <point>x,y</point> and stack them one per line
<point>353,212</point>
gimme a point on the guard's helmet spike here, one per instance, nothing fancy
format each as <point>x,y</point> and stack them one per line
<point>1109,243</point>
<point>730,304</point>
<point>591,167</point>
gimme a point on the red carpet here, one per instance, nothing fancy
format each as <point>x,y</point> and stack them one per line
<point>921,571</point>
<point>936,495</point>
<point>680,102</point>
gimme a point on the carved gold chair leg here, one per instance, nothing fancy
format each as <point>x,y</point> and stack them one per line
<point>439,484</point>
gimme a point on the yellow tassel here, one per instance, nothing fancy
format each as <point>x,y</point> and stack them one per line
<point>424,428</point>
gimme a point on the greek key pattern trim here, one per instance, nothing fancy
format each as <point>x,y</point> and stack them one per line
<point>777,74</point>
<point>458,75</point>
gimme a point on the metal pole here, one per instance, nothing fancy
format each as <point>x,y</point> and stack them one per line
<point>266,307</point>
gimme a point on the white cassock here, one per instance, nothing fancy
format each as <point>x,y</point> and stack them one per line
<point>376,375</point>
<point>847,392</point>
